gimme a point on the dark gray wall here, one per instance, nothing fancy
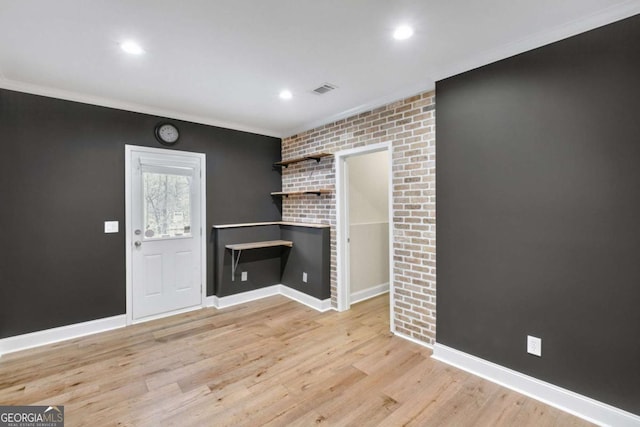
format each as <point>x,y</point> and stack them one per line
<point>262,265</point>
<point>62,175</point>
<point>310,254</point>
<point>538,219</point>
<point>270,266</point>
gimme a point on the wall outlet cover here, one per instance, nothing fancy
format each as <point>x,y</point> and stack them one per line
<point>304,277</point>
<point>534,345</point>
<point>244,276</point>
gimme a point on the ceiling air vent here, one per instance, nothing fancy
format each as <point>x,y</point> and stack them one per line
<point>327,87</point>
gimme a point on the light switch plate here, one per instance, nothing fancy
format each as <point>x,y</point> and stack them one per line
<point>111,226</point>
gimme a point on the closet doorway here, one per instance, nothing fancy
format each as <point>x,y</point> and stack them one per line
<point>364,224</point>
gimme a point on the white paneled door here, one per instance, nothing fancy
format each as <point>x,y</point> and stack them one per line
<point>165,232</point>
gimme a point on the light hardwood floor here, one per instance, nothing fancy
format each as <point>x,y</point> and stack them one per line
<point>272,362</point>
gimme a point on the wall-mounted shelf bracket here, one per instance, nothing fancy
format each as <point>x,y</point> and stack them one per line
<point>317,157</point>
<point>234,263</point>
<point>317,192</point>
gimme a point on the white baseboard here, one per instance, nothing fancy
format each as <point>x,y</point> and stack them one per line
<point>63,333</point>
<point>568,401</point>
<point>241,298</point>
<point>413,340</point>
<point>49,336</point>
<point>308,300</point>
<point>371,292</point>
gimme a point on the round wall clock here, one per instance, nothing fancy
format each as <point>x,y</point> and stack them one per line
<point>167,134</point>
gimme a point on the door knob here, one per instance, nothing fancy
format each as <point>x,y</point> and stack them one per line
<point>138,243</point>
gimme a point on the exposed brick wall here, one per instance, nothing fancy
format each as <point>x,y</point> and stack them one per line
<point>409,125</point>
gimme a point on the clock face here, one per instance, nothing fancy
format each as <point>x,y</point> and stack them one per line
<point>167,134</point>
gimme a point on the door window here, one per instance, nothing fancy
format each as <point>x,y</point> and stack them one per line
<point>167,205</point>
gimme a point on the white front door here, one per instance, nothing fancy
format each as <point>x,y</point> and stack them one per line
<point>165,232</point>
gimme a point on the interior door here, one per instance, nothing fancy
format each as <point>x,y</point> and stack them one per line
<point>166,233</point>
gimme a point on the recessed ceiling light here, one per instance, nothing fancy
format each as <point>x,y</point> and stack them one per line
<point>286,94</point>
<point>403,32</point>
<point>131,47</point>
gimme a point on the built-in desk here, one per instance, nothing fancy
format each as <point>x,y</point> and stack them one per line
<point>275,252</point>
<point>258,245</point>
<point>239,247</point>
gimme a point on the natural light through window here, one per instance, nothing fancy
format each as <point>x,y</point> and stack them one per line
<point>167,205</point>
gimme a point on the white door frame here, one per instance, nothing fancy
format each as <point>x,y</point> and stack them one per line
<point>129,231</point>
<point>342,222</point>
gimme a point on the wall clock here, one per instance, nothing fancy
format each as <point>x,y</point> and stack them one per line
<point>167,134</point>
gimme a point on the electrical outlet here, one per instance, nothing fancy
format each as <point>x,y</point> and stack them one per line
<point>243,277</point>
<point>304,277</point>
<point>534,346</point>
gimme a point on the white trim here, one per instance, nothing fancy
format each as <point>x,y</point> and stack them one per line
<point>308,300</point>
<point>129,106</point>
<point>244,297</point>
<point>342,209</point>
<point>601,18</point>
<point>342,286</point>
<point>406,92</point>
<point>598,19</point>
<point>369,293</point>
<point>258,224</point>
<point>62,333</point>
<point>128,149</point>
<point>204,230</point>
<point>542,38</point>
<point>568,401</point>
<point>413,340</point>
<point>366,149</point>
<point>127,233</point>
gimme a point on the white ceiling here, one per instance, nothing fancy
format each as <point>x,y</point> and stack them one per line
<point>223,62</point>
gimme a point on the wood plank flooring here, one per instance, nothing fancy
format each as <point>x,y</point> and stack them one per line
<point>272,362</point>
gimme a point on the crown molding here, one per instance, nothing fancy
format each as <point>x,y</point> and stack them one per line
<point>539,39</point>
<point>542,38</point>
<point>551,35</point>
<point>406,92</point>
<point>128,106</point>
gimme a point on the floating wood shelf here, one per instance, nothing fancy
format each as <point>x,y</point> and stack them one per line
<point>239,247</point>
<point>258,245</point>
<point>317,157</point>
<point>317,192</point>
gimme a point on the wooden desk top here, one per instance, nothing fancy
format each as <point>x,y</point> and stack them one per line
<point>258,245</point>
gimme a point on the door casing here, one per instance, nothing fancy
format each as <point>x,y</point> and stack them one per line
<point>342,224</point>
<point>129,231</point>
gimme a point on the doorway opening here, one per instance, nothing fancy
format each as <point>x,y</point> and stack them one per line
<point>165,199</point>
<point>364,224</point>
